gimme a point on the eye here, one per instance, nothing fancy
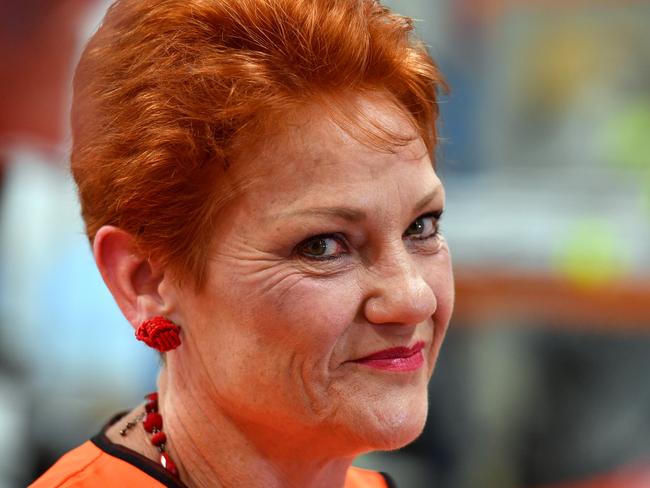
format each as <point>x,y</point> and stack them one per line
<point>424,227</point>
<point>322,247</point>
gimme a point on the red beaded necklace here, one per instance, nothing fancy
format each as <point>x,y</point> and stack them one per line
<point>152,422</point>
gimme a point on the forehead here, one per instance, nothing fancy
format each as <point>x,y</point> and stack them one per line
<point>309,149</point>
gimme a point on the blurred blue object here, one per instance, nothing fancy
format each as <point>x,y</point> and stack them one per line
<point>58,322</point>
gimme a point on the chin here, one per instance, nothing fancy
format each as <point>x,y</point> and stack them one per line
<point>398,432</point>
<point>391,425</point>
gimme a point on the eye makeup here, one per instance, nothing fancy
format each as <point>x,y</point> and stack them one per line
<point>334,245</point>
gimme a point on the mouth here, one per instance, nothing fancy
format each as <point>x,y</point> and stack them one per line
<point>401,359</point>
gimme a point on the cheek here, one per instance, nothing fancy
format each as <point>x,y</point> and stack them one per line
<point>314,313</point>
<point>440,279</point>
<point>290,331</point>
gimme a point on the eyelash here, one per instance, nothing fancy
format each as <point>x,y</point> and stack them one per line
<point>435,218</point>
<point>340,239</point>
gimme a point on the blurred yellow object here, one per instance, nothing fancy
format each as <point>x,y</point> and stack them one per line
<point>592,255</point>
<point>564,60</point>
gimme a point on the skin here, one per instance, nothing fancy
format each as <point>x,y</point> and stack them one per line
<point>264,390</point>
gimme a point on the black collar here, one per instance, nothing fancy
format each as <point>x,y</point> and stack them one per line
<point>136,459</point>
<point>153,469</point>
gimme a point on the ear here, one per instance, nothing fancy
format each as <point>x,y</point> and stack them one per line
<point>133,280</point>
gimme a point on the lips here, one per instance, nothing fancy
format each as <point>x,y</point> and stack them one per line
<point>396,358</point>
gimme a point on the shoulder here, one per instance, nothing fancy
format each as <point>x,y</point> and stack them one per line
<point>364,478</point>
<point>88,466</point>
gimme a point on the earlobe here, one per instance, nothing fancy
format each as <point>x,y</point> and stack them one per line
<point>131,278</point>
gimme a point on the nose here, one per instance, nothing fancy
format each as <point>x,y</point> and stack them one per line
<point>399,293</point>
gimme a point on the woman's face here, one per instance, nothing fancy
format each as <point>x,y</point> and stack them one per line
<point>331,255</point>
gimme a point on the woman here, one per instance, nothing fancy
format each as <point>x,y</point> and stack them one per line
<point>257,185</point>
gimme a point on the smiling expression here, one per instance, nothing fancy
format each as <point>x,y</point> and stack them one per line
<point>329,289</point>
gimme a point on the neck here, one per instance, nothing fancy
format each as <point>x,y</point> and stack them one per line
<point>213,449</point>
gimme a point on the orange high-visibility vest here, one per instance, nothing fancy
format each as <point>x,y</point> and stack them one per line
<point>101,463</point>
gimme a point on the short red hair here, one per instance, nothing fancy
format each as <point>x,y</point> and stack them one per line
<point>166,88</point>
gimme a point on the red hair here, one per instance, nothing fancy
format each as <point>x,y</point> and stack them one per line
<point>166,89</point>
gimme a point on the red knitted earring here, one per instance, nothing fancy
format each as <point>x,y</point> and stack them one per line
<point>159,333</point>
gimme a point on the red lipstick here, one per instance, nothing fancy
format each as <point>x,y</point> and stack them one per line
<point>396,358</point>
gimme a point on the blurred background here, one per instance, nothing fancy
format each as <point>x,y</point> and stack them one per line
<point>544,380</point>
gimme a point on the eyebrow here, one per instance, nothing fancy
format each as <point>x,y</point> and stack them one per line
<point>344,213</point>
<point>426,199</point>
<point>350,214</point>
